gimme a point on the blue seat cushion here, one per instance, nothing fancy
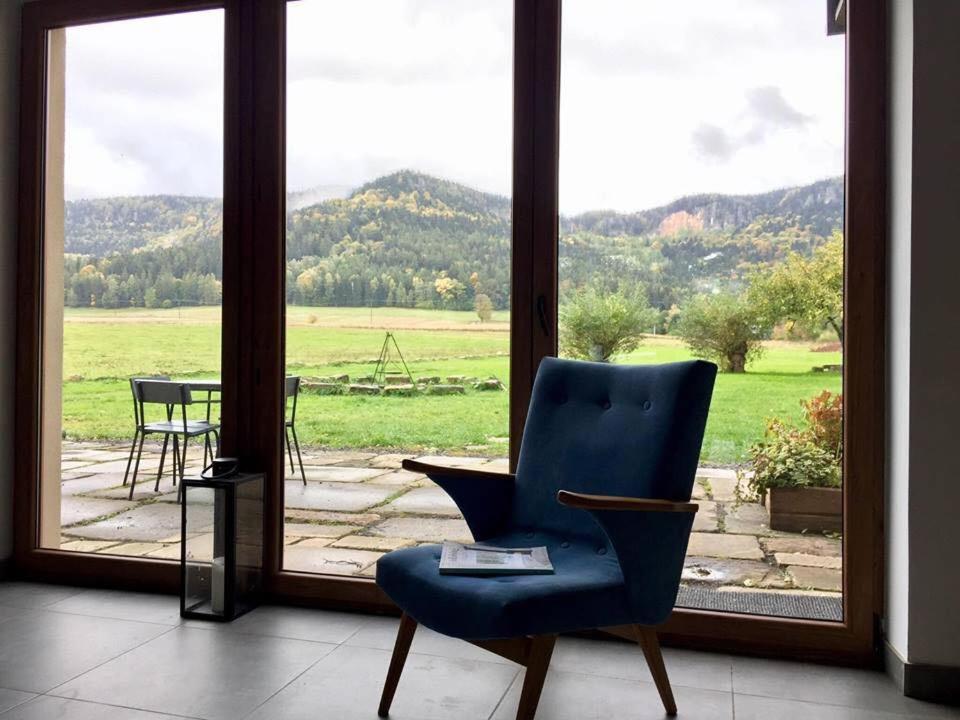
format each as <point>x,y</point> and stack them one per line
<point>586,591</point>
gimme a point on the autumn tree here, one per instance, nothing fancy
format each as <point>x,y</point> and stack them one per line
<point>803,289</point>
<point>483,307</point>
<point>724,328</point>
<point>597,325</point>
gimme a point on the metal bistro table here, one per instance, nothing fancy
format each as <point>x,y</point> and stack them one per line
<point>208,386</point>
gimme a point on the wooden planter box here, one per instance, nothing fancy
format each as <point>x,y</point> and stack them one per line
<point>809,509</point>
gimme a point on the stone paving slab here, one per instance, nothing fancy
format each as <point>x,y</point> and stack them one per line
<point>423,529</point>
<point>812,545</point>
<point>453,460</point>
<point>90,484</point>
<point>706,518</point>
<point>400,477</point>
<point>737,547</point>
<point>200,546</point>
<point>327,560</point>
<point>315,530</point>
<point>135,549</point>
<point>147,523</point>
<point>722,488</point>
<point>332,457</point>
<point>368,542</point>
<point>343,497</point>
<point>821,561</point>
<point>327,516</point>
<point>423,501</point>
<point>76,509</point>
<point>88,546</point>
<point>750,518</point>
<point>816,578</point>
<point>723,571</point>
<point>336,473</point>
<point>389,461</point>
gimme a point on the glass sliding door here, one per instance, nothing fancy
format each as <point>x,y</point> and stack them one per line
<point>131,258</point>
<point>398,226</point>
<point>702,216</point>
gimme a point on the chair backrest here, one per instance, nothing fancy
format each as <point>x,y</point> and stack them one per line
<point>291,386</point>
<point>630,430</point>
<point>136,397</point>
<point>162,392</point>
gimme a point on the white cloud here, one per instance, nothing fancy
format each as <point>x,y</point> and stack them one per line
<point>658,99</point>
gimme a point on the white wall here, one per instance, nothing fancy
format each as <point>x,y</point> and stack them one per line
<point>923,483</point>
<point>9,108</point>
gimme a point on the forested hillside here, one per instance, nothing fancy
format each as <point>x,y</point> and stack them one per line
<point>409,239</point>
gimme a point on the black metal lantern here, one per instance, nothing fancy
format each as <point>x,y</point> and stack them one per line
<point>221,550</point>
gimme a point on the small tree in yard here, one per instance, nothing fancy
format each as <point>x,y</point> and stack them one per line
<point>804,289</point>
<point>723,328</point>
<point>483,307</point>
<point>595,325</point>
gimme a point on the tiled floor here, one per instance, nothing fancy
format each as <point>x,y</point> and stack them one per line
<point>78,654</point>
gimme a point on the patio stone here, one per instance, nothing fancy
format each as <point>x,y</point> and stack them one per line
<point>400,478</point>
<point>200,546</point>
<point>820,561</point>
<point>424,501</point>
<point>97,455</point>
<point>739,547</point>
<point>390,460</point>
<point>336,496</point>
<point>698,492</point>
<point>722,488</point>
<point>74,464</point>
<point>720,473</point>
<point>816,578</point>
<point>368,542</point>
<point>453,460</point>
<point>147,523</point>
<point>313,530</point>
<point>90,484</point>
<point>327,560</point>
<point>747,518</point>
<point>501,465</point>
<point>325,516</point>
<point>142,491</point>
<point>136,549</point>
<point>810,545</point>
<point>706,518</point>
<point>723,571</point>
<point>87,546</point>
<point>335,473</point>
<point>423,529</point>
<point>119,466</point>
<point>75,509</point>
<point>332,457</point>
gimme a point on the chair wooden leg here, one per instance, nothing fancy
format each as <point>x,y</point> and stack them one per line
<point>408,626</point>
<point>538,660</point>
<point>647,637</point>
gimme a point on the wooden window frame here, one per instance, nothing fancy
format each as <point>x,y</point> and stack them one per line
<point>253,307</point>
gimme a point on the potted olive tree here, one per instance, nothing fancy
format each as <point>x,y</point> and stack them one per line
<point>797,470</point>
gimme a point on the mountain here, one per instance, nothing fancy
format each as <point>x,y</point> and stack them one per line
<point>411,239</point>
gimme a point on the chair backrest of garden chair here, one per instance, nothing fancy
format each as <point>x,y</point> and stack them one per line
<point>138,420</point>
<point>291,388</point>
<point>166,393</point>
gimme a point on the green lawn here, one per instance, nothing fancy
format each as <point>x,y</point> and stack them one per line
<point>103,348</point>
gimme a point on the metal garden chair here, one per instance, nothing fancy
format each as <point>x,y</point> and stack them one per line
<point>292,390</point>
<point>170,395</point>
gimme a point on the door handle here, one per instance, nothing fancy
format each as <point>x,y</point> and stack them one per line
<point>542,315</point>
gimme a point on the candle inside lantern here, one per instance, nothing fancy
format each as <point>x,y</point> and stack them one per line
<point>217,584</point>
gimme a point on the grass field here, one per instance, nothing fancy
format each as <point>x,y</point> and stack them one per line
<point>102,348</point>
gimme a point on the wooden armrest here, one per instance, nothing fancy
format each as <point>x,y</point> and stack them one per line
<point>614,502</point>
<point>455,472</point>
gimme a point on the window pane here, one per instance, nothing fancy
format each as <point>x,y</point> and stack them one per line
<point>132,266</point>
<point>398,267</point>
<point>701,199</point>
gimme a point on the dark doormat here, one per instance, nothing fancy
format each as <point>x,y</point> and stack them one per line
<point>757,602</point>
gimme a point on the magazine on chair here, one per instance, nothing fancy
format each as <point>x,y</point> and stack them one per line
<point>474,559</point>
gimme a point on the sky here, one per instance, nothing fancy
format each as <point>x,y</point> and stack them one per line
<point>658,99</point>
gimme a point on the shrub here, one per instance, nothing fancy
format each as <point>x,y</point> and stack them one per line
<point>723,328</point>
<point>483,307</point>
<point>824,415</point>
<point>596,326</point>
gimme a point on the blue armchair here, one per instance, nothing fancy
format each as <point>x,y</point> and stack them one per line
<point>606,469</point>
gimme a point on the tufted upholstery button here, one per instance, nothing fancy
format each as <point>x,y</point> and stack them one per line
<point>601,551</point>
<point>564,544</point>
<point>647,404</point>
